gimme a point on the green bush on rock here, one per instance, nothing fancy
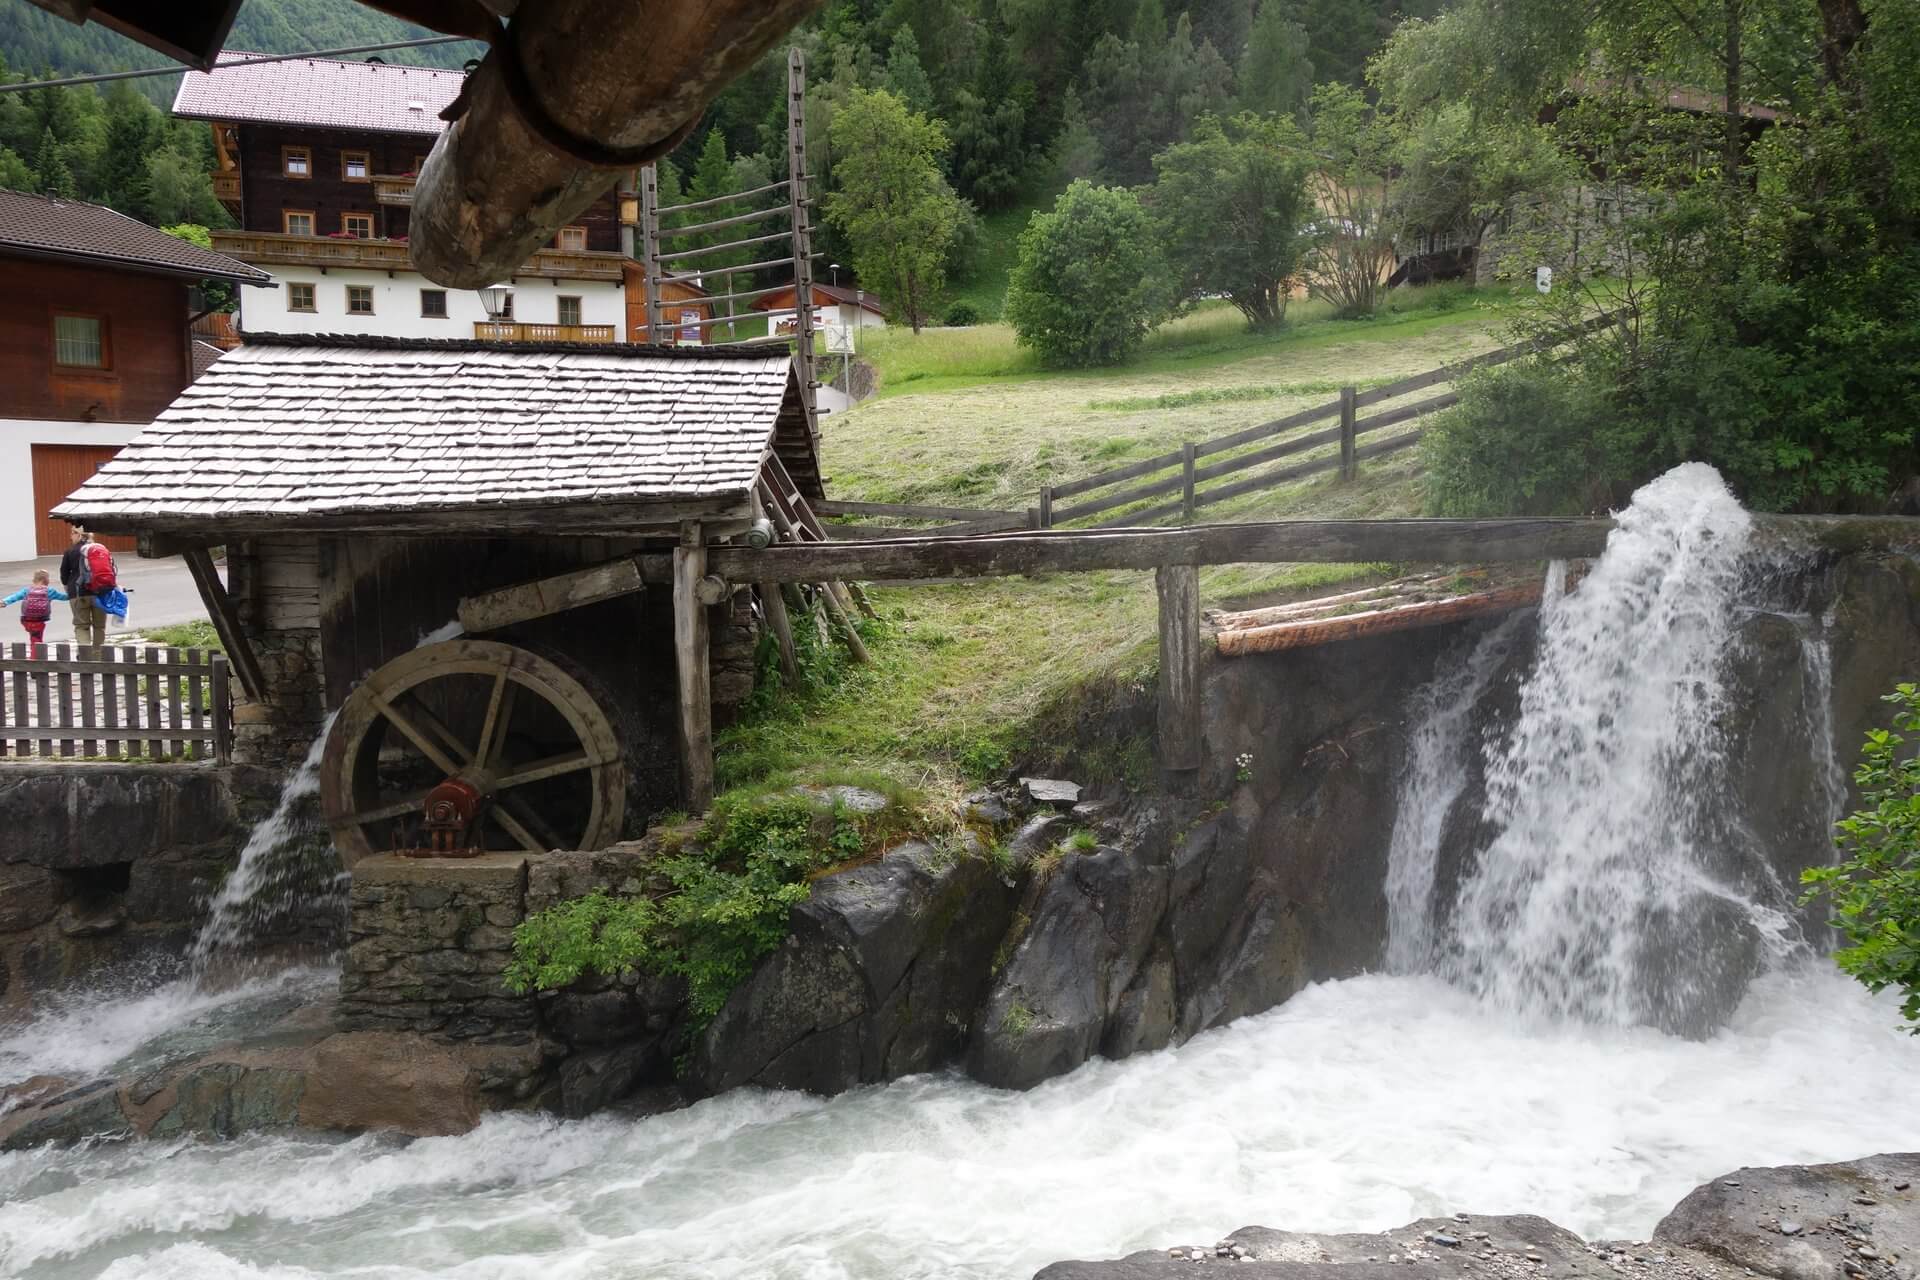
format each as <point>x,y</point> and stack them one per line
<point>1875,893</point>
<point>714,906</point>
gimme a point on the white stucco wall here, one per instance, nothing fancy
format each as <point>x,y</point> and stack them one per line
<point>17,438</point>
<point>396,304</point>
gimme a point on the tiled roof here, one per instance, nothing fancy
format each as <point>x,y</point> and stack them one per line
<point>383,97</point>
<point>45,226</point>
<point>332,430</point>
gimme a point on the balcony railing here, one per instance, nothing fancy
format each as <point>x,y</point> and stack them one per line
<point>391,255</point>
<point>226,187</point>
<point>393,189</point>
<point>508,331</point>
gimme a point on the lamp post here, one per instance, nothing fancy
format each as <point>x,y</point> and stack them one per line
<point>497,301</point>
<point>834,267</point>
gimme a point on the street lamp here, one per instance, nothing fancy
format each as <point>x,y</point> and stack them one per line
<point>497,301</point>
<point>834,267</point>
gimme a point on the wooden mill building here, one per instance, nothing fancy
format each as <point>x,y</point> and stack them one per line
<point>363,487</point>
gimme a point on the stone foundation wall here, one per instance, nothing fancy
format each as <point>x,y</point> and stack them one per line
<point>278,731</point>
<point>107,865</point>
<point>428,940</point>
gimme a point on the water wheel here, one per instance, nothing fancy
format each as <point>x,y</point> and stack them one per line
<point>528,753</point>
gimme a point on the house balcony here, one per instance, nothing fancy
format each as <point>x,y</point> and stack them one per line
<point>226,187</point>
<point>264,248</point>
<point>508,331</point>
<point>395,189</point>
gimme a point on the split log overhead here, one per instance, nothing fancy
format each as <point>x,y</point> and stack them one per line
<point>1304,632</point>
<point>618,81</point>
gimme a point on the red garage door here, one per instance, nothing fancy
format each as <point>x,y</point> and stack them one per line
<point>59,469</point>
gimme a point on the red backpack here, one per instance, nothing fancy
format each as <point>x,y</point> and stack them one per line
<point>101,574</point>
<point>38,606</point>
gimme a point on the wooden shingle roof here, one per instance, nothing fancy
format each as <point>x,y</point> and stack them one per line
<point>359,433</point>
<point>384,97</point>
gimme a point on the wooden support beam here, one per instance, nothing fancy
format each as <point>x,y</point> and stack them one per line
<point>509,605</point>
<point>690,652</point>
<point>1303,632</point>
<point>1187,505</point>
<point>775,607</point>
<point>1178,586</point>
<point>226,623</point>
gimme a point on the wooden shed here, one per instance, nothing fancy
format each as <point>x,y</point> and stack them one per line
<point>362,487</point>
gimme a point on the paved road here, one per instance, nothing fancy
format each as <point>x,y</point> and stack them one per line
<point>160,592</point>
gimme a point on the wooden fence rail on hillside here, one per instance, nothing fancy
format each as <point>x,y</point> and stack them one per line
<point>128,703</point>
<point>1180,471</point>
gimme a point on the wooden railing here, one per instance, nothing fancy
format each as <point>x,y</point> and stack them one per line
<point>509,331</point>
<point>129,703</point>
<point>391,255</point>
<point>226,187</point>
<point>1113,498</point>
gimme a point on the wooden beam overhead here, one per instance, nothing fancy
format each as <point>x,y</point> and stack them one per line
<point>226,623</point>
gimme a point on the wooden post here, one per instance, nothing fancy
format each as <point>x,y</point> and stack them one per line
<point>222,712</point>
<point>801,241</point>
<point>1046,506</point>
<point>690,656</point>
<point>650,250</point>
<point>1033,518</point>
<point>1187,506</point>
<point>776,610</point>
<point>1178,586</point>
<point>226,621</point>
<point>1349,468</point>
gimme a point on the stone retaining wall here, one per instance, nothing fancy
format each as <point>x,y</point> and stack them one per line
<point>103,865</point>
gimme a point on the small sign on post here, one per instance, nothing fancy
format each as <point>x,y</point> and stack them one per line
<point>1543,279</point>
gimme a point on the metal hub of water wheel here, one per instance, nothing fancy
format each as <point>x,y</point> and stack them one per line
<point>470,746</point>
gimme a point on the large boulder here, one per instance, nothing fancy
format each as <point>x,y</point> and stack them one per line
<point>1091,924</point>
<point>881,968</point>
<point>1807,1222</point>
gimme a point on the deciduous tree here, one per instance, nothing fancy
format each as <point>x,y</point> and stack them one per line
<point>897,212</point>
<point>1091,279</point>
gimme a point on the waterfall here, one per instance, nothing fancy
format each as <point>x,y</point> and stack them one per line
<point>1603,880</point>
<point>273,883</point>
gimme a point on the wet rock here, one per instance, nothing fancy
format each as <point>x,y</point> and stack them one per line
<point>362,1080</point>
<point>1036,838</point>
<point>594,1017</point>
<point>1143,1018</point>
<point>1059,794</point>
<point>92,918</point>
<point>988,810</point>
<point>223,1099</point>
<point>882,966</point>
<point>592,1081</point>
<point>29,896</point>
<point>167,891</point>
<point>1725,1219</point>
<point>90,1111</point>
<point>1092,923</point>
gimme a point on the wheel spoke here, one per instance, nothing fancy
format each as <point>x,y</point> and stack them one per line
<point>514,829</point>
<point>399,808</point>
<point>551,767</point>
<point>530,818</point>
<point>406,724</point>
<point>499,711</point>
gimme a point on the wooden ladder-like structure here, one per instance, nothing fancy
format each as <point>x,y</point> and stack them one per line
<point>794,521</point>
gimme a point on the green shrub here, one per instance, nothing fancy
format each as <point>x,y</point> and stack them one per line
<point>1875,893</point>
<point>1091,279</point>
<point>1526,439</point>
<point>961,315</point>
<point>713,908</point>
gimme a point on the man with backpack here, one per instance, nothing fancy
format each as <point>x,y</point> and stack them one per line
<point>86,569</point>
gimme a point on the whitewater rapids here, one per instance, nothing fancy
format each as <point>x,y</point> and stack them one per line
<point>1358,1105</point>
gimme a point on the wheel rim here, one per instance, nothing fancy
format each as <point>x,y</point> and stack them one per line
<point>523,731</point>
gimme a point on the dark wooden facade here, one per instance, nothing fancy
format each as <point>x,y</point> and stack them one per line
<point>267,193</point>
<point>144,332</point>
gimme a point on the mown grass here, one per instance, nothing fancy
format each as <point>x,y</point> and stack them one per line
<point>968,678</point>
<point>184,635</point>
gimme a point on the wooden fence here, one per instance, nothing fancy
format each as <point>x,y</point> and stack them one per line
<point>1187,485</point>
<point>65,702</point>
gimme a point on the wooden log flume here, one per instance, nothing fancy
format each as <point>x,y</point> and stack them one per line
<point>1325,628</point>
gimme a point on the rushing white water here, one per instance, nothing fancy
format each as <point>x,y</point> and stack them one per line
<point>1611,883</point>
<point>1311,1116</point>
